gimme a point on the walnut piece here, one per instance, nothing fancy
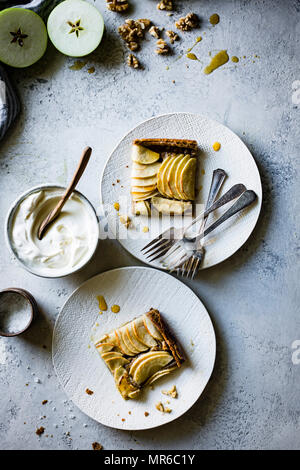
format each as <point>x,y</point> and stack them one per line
<point>160,407</point>
<point>163,409</point>
<point>117,5</point>
<point>165,5</point>
<point>133,31</point>
<point>172,36</point>
<point>162,47</point>
<point>132,61</point>
<point>155,32</point>
<point>188,22</point>
<point>172,392</point>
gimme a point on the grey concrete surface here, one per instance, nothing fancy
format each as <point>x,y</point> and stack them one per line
<point>252,400</point>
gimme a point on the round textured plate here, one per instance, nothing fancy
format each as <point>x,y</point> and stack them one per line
<point>233,157</point>
<point>79,366</point>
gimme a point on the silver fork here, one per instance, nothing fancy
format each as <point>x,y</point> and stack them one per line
<point>159,246</point>
<point>187,246</point>
<point>218,178</point>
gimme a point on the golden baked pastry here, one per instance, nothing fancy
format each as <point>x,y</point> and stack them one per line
<point>139,353</point>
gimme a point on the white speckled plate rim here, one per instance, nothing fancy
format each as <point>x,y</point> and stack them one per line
<point>78,365</point>
<point>234,157</point>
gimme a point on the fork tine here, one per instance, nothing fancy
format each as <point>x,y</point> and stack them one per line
<point>155,240</point>
<point>176,256</point>
<point>179,261</point>
<point>196,268</point>
<point>157,245</point>
<point>161,252</point>
<point>171,250</point>
<point>192,262</point>
<point>188,266</point>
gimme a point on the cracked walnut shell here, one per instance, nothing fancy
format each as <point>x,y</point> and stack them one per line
<point>188,22</point>
<point>162,47</point>
<point>117,5</point>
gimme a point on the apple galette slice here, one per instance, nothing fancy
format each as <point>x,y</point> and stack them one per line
<point>139,353</point>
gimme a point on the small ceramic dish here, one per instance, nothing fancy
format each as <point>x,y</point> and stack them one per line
<point>10,218</point>
<point>16,296</point>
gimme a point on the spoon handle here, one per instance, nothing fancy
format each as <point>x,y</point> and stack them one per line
<point>76,177</point>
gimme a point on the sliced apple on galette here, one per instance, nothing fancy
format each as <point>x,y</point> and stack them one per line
<point>139,353</point>
<point>163,167</point>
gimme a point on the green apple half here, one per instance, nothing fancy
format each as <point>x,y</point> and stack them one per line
<point>75,27</point>
<point>23,37</point>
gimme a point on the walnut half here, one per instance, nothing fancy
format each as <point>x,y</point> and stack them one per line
<point>162,47</point>
<point>188,22</point>
<point>165,5</point>
<point>117,5</point>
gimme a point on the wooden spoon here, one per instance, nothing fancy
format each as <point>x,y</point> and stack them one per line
<point>57,209</point>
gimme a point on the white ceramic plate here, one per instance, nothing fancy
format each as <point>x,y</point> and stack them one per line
<point>234,157</point>
<point>79,366</point>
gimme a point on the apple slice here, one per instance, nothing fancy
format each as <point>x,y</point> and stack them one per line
<point>151,328</point>
<point>160,174</point>
<point>135,364</point>
<point>115,362</point>
<point>122,345</point>
<point>159,374</point>
<point>142,334</point>
<point>171,177</point>
<point>143,155</point>
<point>110,355</point>
<point>133,340</point>
<point>23,37</point>
<point>142,197</point>
<point>75,27</point>
<point>104,347</point>
<point>169,206</point>
<point>143,189</point>
<point>187,179</point>
<point>144,181</point>
<point>178,176</point>
<point>128,343</point>
<point>164,177</point>
<point>145,171</point>
<point>150,366</point>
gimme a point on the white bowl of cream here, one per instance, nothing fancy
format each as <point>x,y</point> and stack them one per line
<point>69,242</point>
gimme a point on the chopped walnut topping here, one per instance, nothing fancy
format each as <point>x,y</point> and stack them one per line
<point>132,61</point>
<point>172,36</point>
<point>188,22</point>
<point>117,5</point>
<point>133,31</point>
<point>44,402</point>
<point>165,5</point>
<point>172,392</point>
<point>97,446</point>
<point>162,47</point>
<point>160,407</point>
<point>155,32</point>
<point>146,413</point>
<point>89,392</point>
<point>163,409</point>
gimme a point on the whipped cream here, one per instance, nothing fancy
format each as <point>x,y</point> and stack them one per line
<point>68,243</point>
